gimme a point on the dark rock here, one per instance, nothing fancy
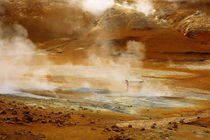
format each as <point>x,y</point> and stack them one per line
<point>130,126</point>
<point>27,118</point>
<point>3,112</point>
<point>119,138</point>
<point>142,129</point>
<point>116,129</point>
<point>82,115</point>
<point>107,129</point>
<point>14,113</point>
<point>26,112</point>
<point>43,121</point>
<point>169,128</point>
<point>153,126</point>
<point>182,121</point>
<point>114,126</point>
<point>7,118</point>
<point>92,122</point>
<point>15,119</point>
<point>67,115</point>
<point>175,125</point>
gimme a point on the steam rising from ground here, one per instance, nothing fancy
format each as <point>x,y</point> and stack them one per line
<point>95,7</point>
<point>98,7</point>
<point>105,56</point>
<point>154,89</point>
<point>144,6</point>
<point>116,66</point>
<point>106,61</point>
<point>16,55</point>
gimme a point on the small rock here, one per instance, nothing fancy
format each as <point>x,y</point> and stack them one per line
<point>7,118</point>
<point>153,126</point>
<point>142,129</point>
<point>175,125</point>
<point>14,113</point>
<point>3,112</point>
<point>27,118</point>
<point>67,115</point>
<point>119,138</point>
<point>43,121</point>
<point>182,121</point>
<point>82,115</point>
<point>130,126</point>
<point>92,122</point>
<point>114,126</point>
<point>107,129</point>
<point>169,128</point>
<point>26,112</point>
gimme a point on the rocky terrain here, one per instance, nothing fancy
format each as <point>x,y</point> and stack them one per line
<point>20,119</point>
<point>189,17</point>
<point>47,16</point>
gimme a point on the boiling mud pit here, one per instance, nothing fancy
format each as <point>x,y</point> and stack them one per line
<point>117,88</point>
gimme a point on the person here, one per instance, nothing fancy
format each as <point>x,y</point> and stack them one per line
<point>127,84</point>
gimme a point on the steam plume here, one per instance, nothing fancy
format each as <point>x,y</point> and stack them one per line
<point>98,7</point>
<point>115,66</point>
<point>16,55</point>
<point>143,6</point>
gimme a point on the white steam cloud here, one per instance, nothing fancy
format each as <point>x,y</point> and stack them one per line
<point>105,63</point>
<point>143,6</point>
<point>154,89</point>
<point>113,65</point>
<point>98,7</point>
<point>95,7</point>
<point>16,55</point>
<point>117,67</point>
